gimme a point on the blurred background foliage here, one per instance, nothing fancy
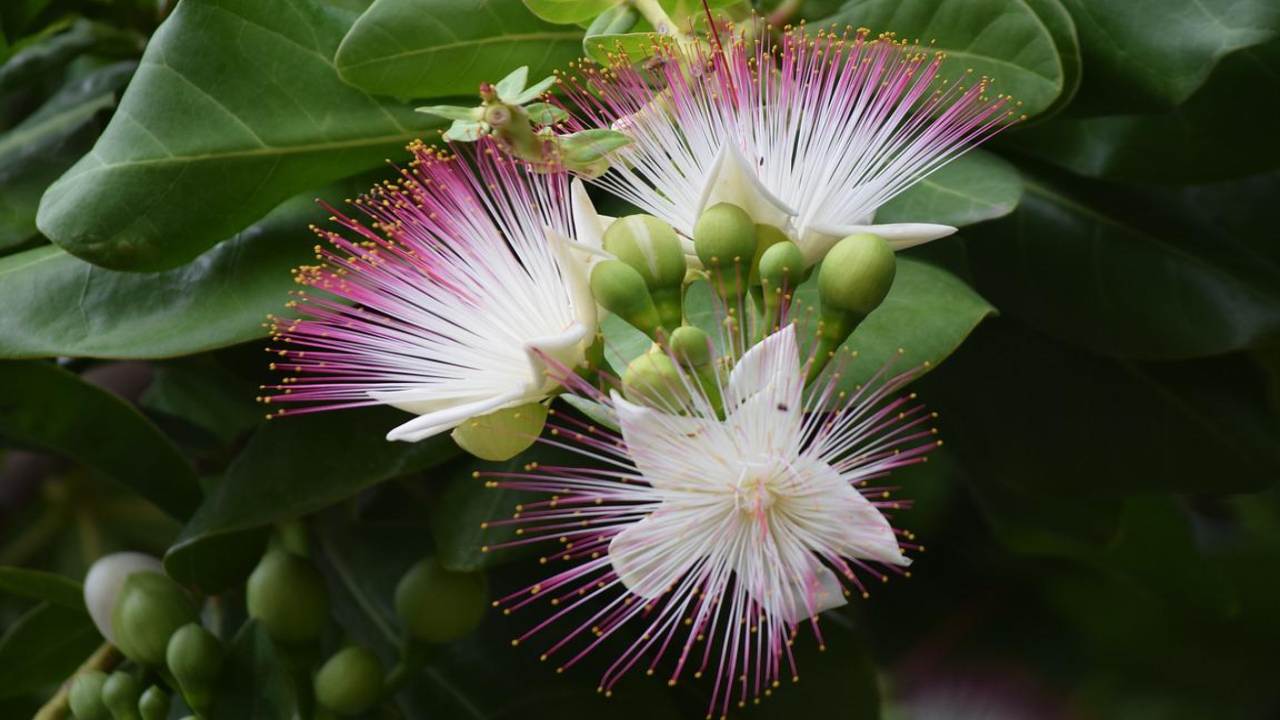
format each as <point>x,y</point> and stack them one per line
<point>1103,524</point>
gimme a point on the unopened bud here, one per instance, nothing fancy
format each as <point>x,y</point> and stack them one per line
<point>652,379</point>
<point>85,697</point>
<point>154,704</point>
<point>105,580</point>
<point>781,269</point>
<point>151,607</point>
<point>502,434</point>
<point>287,595</point>
<point>725,240</point>
<point>350,682</point>
<point>438,605</point>
<point>651,248</point>
<point>854,279</point>
<point>195,658</point>
<point>692,345</point>
<point>120,693</point>
<point>766,237</point>
<point>621,290</point>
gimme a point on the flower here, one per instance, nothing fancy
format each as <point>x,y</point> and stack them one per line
<point>449,310</point>
<point>731,531</point>
<point>811,135</point>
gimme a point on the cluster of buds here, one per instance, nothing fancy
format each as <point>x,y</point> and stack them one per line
<point>753,269</point>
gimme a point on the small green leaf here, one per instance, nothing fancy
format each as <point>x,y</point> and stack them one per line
<point>255,682</point>
<point>48,407</point>
<point>46,586</point>
<point>606,48</point>
<point>43,647</point>
<point>50,54</point>
<point>510,87</point>
<point>567,12</point>
<point>452,112</point>
<point>588,146</point>
<point>502,434</point>
<point>546,113</point>
<point>466,131</point>
<point>535,91</point>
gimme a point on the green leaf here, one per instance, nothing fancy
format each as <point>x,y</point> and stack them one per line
<point>535,91</point>
<point>1125,274</point>
<point>40,148</point>
<point>973,188</point>
<point>1003,39</point>
<point>451,112</point>
<point>1224,130</point>
<point>203,393</point>
<point>56,304</point>
<point>927,315</point>
<point>465,131</point>
<point>604,48</point>
<point>255,683</point>
<point>1148,55</point>
<point>567,12</point>
<point>54,52</point>
<point>48,407</point>
<point>296,465</point>
<point>510,87</point>
<point>431,48</point>
<point>588,146</point>
<point>546,113</point>
<point>36,585</point>
<point>199,149</point>
<point>1066,39</point>
<point>43,647</point>
<point>1055,423</point>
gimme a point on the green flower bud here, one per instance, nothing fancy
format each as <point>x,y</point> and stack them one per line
<point>652,379</point>
<point>120,694</point>
<point>502,434</point>
<point>621,290</point>
<point>438,605</point>
<point>288,596</point>
<point>85,698</point>
<point>151,607</point>
<point>766,237</point>
<point>350,682</point>
<point>154,704</point>
<point>195,658</point>
<point>725,240</point>
<point>854,279</point>
<point>781,269</point>
<point>690,344</point>
<point>652,249</point>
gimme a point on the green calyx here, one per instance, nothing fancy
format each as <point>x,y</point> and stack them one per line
<point>195,658</point>
<point>287,595</point>
<point>150,608</point>
<point>120,693</point>
<point>350,682</point>
<point>621,290</point>
<point>85,697</point>
<point>650,247</point>
<point>725,240</point>
<point>502,434</point>
<point>154,704</point>
<point>854,279</point>
<point>437,605</point>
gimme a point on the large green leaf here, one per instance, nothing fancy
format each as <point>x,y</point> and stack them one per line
<point>43,647</point>
<point>973,188</point>
<point>37,585</point>
<point>1225,130</point>
<point>40,148</point>
<point>57,304</point>
<point>1002,39</point>
<point>1125,274</point>
<point>235,107</point>
<point>430,48</point>
<point>51,54</point>
<point>569,11</point>
<point>1146,55</point>
<point>48,407</point>
<point>1056,423</point>
<point>292,466</point>
<point>255,682</point>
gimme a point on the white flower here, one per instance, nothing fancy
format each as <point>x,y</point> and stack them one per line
<point>105,580</point>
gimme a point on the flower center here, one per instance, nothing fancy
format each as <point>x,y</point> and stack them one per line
<point>756,490</point>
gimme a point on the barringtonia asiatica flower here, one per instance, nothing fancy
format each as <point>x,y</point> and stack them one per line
<point>713,531</point>
<point>448,303</point>
<point>812,134</point>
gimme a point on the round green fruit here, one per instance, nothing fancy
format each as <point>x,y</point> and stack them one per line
<point>85,698</point>
<point>287,595</point>
<point>350,682</point>
<point>437,605</point>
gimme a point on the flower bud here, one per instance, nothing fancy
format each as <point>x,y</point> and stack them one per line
<point>154,704</point>
<point>652,379</point>
<point>350,682</point>
<point>120,694</point>
<point>620,289</point>
<point>652,249</point>
<point>289,598</point>
<point>766,237</point>
<point>85,697</point>
<point>854,279</point>
<point>105,580</point>
<point>725,240</point>
<point>691,345</point>
<point>195,658</point>
<point>502,434</point>
<point>781,269</point>
<point>437,605</point>
<point>151,607</point>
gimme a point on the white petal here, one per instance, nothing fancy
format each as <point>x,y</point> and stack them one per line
<point>104,581</point>
<point>568,349</point>
<point>653,554</point>
<point>764,397</point>
<point>839,518</point>
<point>816,590</point>
<point>589,225</point>
<point>574,271</point>
<point>900,236</point>
<point>732,179</point>
<point>669,450</point>
<point>434,423</point>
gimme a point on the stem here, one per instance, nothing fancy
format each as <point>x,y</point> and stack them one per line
<point>413,657</point>
<point>783,12</point>
<point>104,659</point>
<point>657,17</point>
